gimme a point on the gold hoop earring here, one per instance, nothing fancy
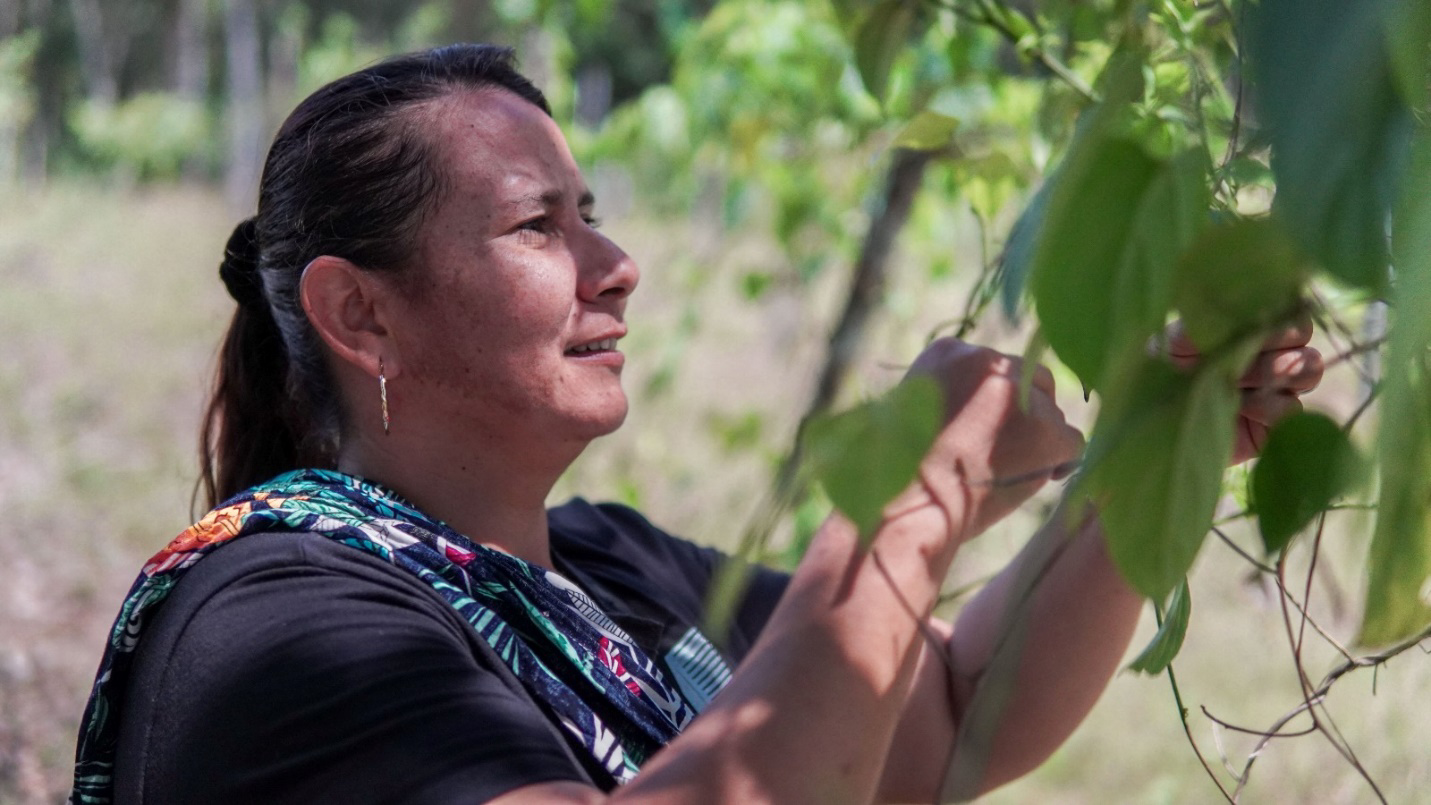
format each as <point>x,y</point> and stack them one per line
<point>383,394</point>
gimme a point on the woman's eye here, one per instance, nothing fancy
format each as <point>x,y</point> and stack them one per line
<point>592,221</point>
<point>540,224</point>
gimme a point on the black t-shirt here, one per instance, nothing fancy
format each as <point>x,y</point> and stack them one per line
<point>291,668</point>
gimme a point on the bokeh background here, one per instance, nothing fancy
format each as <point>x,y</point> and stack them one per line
<point>735,154</point>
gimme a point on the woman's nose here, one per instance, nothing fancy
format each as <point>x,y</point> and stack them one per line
<point>607,272</point>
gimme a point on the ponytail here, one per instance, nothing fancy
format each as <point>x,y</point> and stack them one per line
<point>247,434</point>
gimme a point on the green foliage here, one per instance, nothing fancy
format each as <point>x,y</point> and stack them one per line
<point>338,50</point>
<point>1103,269</point>
<point>1338,124</point>
<point>1408,29</point>
<point>1237,280</point>
<point>928,131</point>
<point>1155,466</point>
<point>1307,463</point>
<point>17,57</point>
<point>867,455</point>
<point>880,36</point>
<point>150,135</point>
<point>1400,557</point>
<point>1172,628</point>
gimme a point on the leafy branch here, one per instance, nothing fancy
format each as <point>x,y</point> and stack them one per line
<point>1020,32</point>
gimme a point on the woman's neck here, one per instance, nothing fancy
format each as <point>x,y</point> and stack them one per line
<point>498,502</point>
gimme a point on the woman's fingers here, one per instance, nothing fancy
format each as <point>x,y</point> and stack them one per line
<point>1260,411</point>
<point>1267,408</point>
<point>1298,334</point>
<point>997,447</point>
<point>1292,369</point>
<point>1043,379</point>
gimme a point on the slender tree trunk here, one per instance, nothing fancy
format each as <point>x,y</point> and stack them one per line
<point>189,64</point>
<point>867,286</point>
<point>871,273</point>
<point>245,103</point>
<point>190,78</point>
<point>47,80</point>
<point>9,18</point>
<point>97,52</point>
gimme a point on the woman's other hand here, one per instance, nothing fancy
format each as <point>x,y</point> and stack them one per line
<point>993,453</point>
<point>1284,369</point>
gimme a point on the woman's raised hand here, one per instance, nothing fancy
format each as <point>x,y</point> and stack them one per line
<point>1285,368</point>
<point>993,453</point>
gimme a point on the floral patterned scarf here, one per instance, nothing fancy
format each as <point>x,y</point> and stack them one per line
<point>564,650</point>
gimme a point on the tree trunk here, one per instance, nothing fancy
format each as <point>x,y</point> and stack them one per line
<point>97,52</point>
<point>867,285</point>
<point>245,104</point>
<point>189,65</point>
<point>9,18</point>
<point>52,66</point>
<point>190,77</point>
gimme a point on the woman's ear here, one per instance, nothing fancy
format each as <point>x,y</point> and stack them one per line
<point>345,305</point>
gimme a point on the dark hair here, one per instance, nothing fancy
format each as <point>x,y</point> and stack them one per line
<point>350,175</point>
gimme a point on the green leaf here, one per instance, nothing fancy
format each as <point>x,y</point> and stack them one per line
<point>1332,103</point>
<point>1120,83</point>
<point>867,455</point>
<point>928,131</point>
<point>1399,562</point>
<point>1408,30</point>
<point>1104,263</point>
<point>1308,461</point>
<point>1238,279</point>
<point>882,33</point>
<point>1154,466</point>
<point>754,284</point>
<point>1166,644</point>
<point>1019,249</point>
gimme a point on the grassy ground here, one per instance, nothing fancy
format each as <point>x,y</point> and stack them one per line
<point>110,311</point>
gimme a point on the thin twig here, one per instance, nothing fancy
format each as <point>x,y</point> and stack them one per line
<point>1052,63</point>
<point>1187,730</point>
<point>1248,731</point>
<point>1272,572</point>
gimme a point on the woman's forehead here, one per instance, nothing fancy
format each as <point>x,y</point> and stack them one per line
<point>503,147</point>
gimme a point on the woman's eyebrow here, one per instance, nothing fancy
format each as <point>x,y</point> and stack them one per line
<point>550,198</point>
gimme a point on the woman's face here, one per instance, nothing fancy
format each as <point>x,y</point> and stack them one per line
<point>509,320</point>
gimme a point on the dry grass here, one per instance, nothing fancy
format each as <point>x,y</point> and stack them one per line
<point>111,310</point>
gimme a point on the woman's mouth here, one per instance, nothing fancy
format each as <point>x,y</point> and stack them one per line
<point>602,345</point>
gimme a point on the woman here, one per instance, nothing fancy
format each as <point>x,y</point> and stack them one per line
<point>426,337</point>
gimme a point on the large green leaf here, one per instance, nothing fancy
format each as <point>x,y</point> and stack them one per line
<point>1154,466</point>
<point>928,131</point>
<point>1121,83</point>
<point>865,456</point>
<point>1399,563</point>
<point>1237,279</point>
<point>1172,628</point>
<point>1103,267</point>
<point>1019,249</point>
<point>882,33</point>
<point>1330,97</point>
<point>1408,29</point>
<point>1308,462</point>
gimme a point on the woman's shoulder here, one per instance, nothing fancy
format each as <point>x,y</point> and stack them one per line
<point>275,650</point>
<point>612,539</point>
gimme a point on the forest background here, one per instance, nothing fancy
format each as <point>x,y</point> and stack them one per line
<point>813,190</point>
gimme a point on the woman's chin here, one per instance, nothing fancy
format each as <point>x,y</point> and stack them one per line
<point>601,420</point>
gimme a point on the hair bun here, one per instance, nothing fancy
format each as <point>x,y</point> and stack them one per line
<point>239,269</point>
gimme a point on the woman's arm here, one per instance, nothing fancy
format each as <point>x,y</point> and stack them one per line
<point>1080,621</point>
<point>811,713</point>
